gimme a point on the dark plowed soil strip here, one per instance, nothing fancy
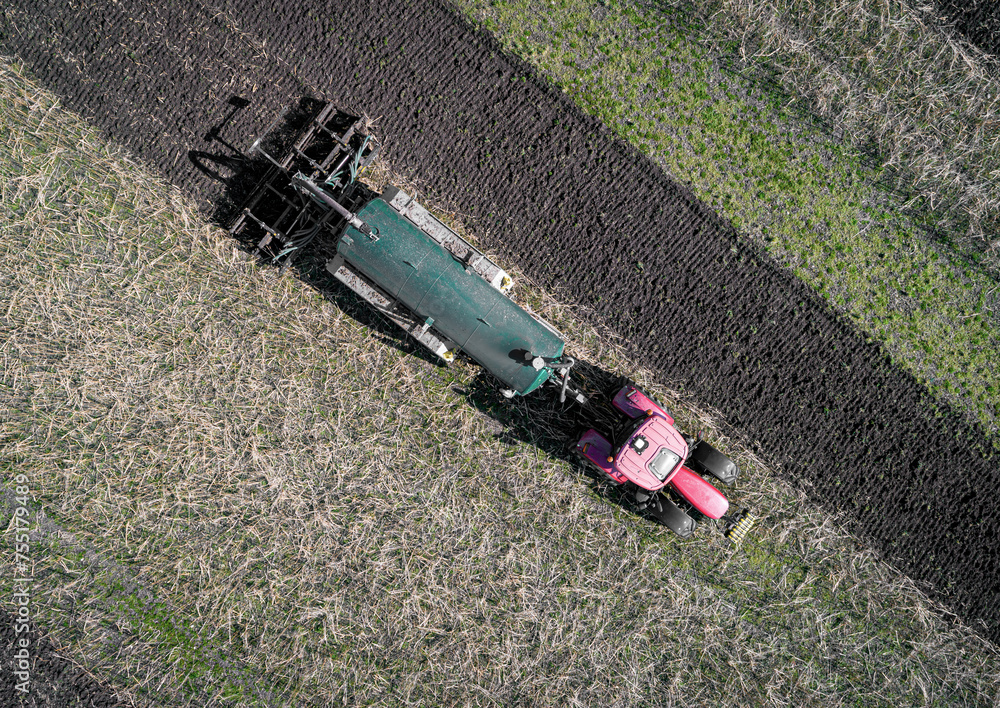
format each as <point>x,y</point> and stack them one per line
<point>52,680</point>
<point>579,212</point>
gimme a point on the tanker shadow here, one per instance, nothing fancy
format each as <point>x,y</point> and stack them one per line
<point>240,172</point>
<point>540,420</point>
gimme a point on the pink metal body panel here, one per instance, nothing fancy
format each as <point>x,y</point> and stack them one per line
<point>634,403</point>
<point>658,432</point>
<point>596,448</point>
<point>702,495</point>
<point>628,465</point>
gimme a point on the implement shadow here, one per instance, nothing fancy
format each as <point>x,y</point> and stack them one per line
<point>240,173</point>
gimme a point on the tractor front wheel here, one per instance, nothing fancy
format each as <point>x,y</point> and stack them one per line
<point>706,459</point>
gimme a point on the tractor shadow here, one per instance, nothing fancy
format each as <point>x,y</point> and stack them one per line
<point>540,420</point>
<point>240,172</point>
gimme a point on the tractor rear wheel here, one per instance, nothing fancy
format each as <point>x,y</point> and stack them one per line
<point>624,381</point>
<point>662,509</point>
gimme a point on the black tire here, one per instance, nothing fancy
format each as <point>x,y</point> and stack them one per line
<point>670,515</point>
<point>705,459</point>
<point>618,385</point>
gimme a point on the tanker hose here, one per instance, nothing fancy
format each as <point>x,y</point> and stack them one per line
<point>298,240</point>
<point>357,158</point>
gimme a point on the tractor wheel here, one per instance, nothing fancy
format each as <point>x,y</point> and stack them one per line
<point>669,514</point>
<point>588,464</point>
<point>596,471</point>
<point>706,459</point>
<point>619,385</point>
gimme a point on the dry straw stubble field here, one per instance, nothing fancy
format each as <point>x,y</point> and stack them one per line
<point>248,492</point>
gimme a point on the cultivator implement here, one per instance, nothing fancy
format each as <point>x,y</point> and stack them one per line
<point>309,188</point>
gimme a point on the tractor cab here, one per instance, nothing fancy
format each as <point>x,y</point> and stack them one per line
<point>650,454</point>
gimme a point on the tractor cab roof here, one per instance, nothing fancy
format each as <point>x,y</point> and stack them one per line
<point>651,453</point>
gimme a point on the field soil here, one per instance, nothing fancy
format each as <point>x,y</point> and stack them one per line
<point>55,680</point>
<point>580,212</point>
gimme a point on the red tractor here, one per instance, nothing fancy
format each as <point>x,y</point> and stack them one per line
<point>648,453</point>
